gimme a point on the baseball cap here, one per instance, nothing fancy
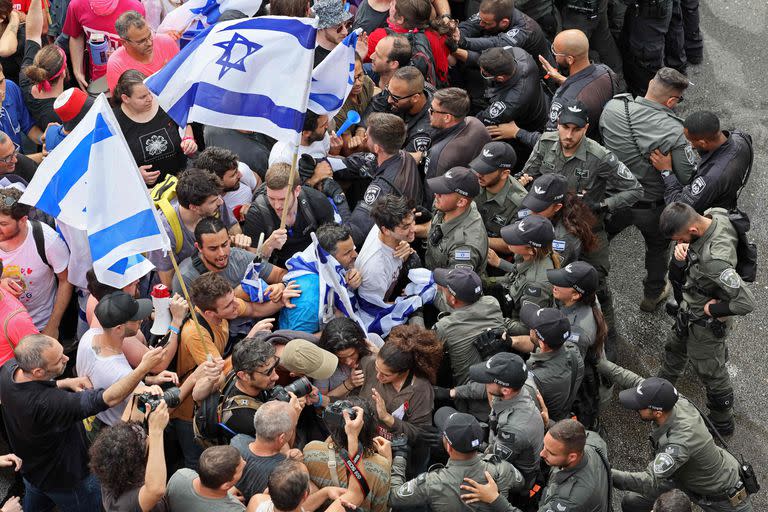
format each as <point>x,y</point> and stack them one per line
<point>534,230</point>
<point>550,324</point>
<point>118,308</point>
<point>495,155</point>
<point>463,283</point>
<point>458,179</point>
<point>579,275</point>
<point>303,357</point>
<point>546,190</point>
<point>505,369</point>
<point>462,430</point>
<point>573,112</point>
<point>653,393</point>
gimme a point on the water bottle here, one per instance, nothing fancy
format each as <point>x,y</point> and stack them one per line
<point>99,46</point>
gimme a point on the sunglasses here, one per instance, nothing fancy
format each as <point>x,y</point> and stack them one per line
<point>341,27</point>
<point>396,98</point>
<point>433,111</point>
<point>269,370</point>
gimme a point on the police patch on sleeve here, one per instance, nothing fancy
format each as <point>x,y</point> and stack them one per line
<point>497,108</point>
<point>407,489</point>
<point>662,464</point>
<point>698,185</point>
<point>512,34</point>
<point>558,245</point>
<point>624,172</point>
<point>533,291</point>
<point>730,278</point>
<point>462,255</point>
<point>422,142</point>
<point>689,154</point>
<point>371,194</point>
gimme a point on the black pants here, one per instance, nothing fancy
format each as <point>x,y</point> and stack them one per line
<point>597,30</point>
<point>674,49</point>
<point>656,246</point>
<point>694,42</point>
<point>643,43</point>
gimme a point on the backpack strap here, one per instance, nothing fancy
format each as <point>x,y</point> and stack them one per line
<point>744,180</point>
<point>306,209</point>
<point>39,237</point>
<point>174,222</point>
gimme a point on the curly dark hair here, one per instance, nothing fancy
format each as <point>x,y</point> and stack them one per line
<point>413,347</point>
<point>119,457</point>
<point>342,333</point>
<point>367,433</point>
<point>578,219</point>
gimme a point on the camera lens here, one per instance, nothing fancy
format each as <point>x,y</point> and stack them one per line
<point>300,387</point>
<point>171,397</point>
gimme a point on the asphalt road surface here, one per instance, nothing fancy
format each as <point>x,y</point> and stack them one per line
<point>731,82</point>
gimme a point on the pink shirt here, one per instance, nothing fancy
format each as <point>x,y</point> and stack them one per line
<point>82,20</point>
<point>164,48</point>
<point>15,323</point>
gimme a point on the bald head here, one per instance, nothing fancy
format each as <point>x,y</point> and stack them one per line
<point>572,42</point>
<point>30,351</point>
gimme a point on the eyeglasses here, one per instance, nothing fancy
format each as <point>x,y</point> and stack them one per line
<point>552,49</point>
<point>396,98</point>
<point>269,370</point>
<point>680,99</point>
<point>141,42</point>
<point>433,111</point>
<point>10,158</point>
<point>346,25</point>
<point>8,201</point>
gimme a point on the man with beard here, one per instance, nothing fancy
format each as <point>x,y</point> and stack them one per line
<point>392,53</point>
<point>409,99</point>
<point>238,181</point>
<point>315,142</point>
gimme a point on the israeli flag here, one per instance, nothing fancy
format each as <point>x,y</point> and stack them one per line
<point>253,285</point>
<point>250,74</point>
<point>91,182</point>
<point>333,79</point>
<point>194,16</point>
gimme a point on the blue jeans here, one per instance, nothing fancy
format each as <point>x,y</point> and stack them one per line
<point>84,496</point>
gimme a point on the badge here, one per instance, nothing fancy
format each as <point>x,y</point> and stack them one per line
<point>503,452</point>
<point>462,255</point>
<point>730,278</point>
<point>690,155</point>
<point>461,265</point>
<point>561,507</point>
<point>500,220</point>
<point>407,489</point>
<point>662,463</point>
<point>371,194</point>
<point>574,338</point>
<point>533,291</point>
<point>422,142</point>
<point>581,173</point>
<point>558,245</point>
<point>512,34</point>
<point>698,185</point>
<point>624,172</point>
<point>554,111</point>
<point>497,108</point>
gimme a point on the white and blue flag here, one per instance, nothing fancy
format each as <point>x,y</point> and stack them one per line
<point>194,16</point>
<point>333,78</point>
<point>91,182</point>
<point>249,74</point>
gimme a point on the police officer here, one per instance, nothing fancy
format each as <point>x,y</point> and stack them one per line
<point>709,291</point>
<point>580,478</point>
<point>500,194</point>
<point>591,17</point>
<point>456,236</point>
<point>632,129</point>
<point>646,23</point>
<point>513,91</point>
<point>439,488</point>
<point>470,313</point>
<point>686,456</point>
<point>555,362</point>
<point>726,160</point>
<point>409,98</point>
<point>594,174</point>
<point>517,430</point>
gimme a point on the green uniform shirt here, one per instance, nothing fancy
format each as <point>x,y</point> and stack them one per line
<point>527,282</point>
<point>499,210</point>
<point>685,453</point>
<point>558,375</point>
<point>711,270</point>
<point>654,127</point>
<point>592,171</point>
<point>462,242</point>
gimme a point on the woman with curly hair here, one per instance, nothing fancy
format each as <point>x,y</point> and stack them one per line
<point>344,338</point>
<point>132,477</point>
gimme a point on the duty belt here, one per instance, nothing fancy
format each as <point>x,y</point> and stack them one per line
<point>724,496</point>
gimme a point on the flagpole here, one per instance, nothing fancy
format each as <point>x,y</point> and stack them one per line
<point>193,314</point>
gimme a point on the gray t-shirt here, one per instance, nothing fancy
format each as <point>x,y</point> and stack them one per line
<point>128,502</point>
<point>239,259</point>
<point>257,469</point>
<point>182,496</point>
<point>368,18</point>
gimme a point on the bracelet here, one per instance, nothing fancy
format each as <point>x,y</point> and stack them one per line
<point>344,383</point>
<point>320,399</point>
<point>174,330</point>
<point>187,138</point>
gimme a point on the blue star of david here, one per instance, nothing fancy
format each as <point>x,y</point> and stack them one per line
<point>225,62</point>
<point>210,10</point>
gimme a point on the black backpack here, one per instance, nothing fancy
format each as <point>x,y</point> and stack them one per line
<point>212,413</point>
<point>746,251</point>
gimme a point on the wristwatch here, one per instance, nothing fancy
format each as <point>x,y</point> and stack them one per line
<point>665,173</point>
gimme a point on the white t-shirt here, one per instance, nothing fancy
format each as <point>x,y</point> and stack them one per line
<point>282,151</point>
<point>244,194</point>
<point>103,372</point>
<point>378,266</point>
<point>37,279</point>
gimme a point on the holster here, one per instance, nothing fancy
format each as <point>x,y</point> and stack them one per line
<point>717,327</point>
<point>681,324</point>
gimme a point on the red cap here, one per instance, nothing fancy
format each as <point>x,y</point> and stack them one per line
<point>69,103</point>
<point>160,291</point>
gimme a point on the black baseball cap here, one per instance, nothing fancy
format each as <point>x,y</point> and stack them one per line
<point>653,393</point>
<point>546,190</point>
<point>579,275</point>
<point>462,430</point>
<point>573,112</point>
<point>494,156</point>
<point>550,324</point>
<point>534,230</point>
<point>118,308</point>
<point>458,179</point>
<point>463,283</point>
<point>505,369</point>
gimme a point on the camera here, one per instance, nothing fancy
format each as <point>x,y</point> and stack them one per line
<point>171,397</point>
<point>333,415</point>
<point>300,387</point>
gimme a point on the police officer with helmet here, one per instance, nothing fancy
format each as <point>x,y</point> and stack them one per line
<point>686,456</point>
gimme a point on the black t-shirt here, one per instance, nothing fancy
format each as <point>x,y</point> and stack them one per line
<point>241,420</point>
<point>320,54</point>
<point>12,63</point>
<point>368,18</point>
<point>257,468</point>
<point>45,428</point>
<point>155,142</point>
<point>25,167</point>
<point>298,234</point>
<point>40,109</point>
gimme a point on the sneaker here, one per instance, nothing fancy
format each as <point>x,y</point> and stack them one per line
<point>649,304</point>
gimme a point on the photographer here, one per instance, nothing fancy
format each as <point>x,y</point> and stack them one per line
<point>44,422</point>
<point>344,435</point>
<point>344,338</point>
<point>130,463</point>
